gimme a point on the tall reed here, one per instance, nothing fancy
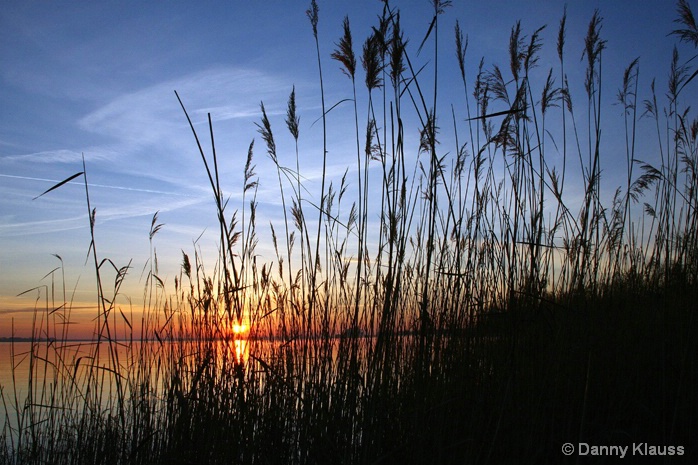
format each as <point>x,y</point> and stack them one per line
<point>489,317</point>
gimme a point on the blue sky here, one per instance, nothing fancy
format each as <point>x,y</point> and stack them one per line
<point>97,78</point>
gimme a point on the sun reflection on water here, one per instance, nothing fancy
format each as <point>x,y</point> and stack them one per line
<point>241,351</point>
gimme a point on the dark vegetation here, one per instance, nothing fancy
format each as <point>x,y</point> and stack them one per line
<point>494,320</point>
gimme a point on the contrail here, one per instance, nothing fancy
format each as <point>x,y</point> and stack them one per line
<point>134,189</point>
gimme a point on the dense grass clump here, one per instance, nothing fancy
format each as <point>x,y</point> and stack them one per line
<point>486,319</point>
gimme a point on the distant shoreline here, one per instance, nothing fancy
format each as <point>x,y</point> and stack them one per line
<point>248,337</point>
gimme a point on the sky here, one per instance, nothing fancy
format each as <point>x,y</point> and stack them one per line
<point>97,80</point>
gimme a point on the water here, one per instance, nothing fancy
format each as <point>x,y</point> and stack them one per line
<point>61,376</point>
<point>51,385</point>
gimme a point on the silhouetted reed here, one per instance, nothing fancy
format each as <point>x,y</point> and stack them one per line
<point>487,319</point>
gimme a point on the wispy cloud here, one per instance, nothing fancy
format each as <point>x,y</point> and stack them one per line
<point>147,208</point>
<point>147,134</point>
<point>152,115</point>
<point>59,156</point>
<point>50,156</point>
<point>28,228</point>
<point>104,186</point>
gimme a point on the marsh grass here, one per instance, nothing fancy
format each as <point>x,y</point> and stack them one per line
<point>487,320</point>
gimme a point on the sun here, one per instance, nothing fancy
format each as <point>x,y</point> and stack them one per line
<point>240,329</point>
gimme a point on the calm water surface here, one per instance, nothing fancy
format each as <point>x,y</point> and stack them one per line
<point>65,368</point>
<point>56,365</point>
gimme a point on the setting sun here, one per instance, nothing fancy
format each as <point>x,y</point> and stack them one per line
<point>239,328</point>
